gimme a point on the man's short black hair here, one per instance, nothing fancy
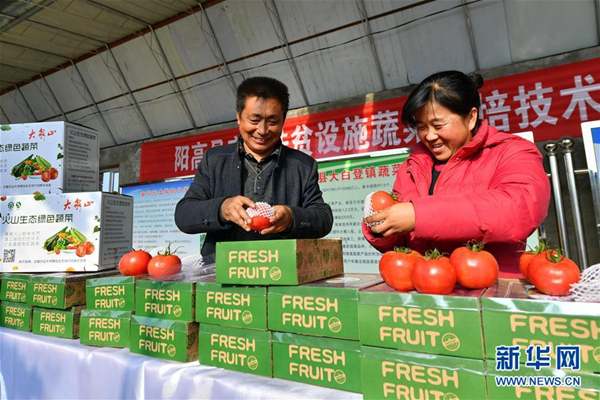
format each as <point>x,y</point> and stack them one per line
<point>264,88</point>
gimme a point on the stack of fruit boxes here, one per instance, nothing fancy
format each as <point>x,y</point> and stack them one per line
<point>15,312</point>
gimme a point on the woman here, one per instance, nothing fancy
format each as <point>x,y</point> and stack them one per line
<point>464,180</point>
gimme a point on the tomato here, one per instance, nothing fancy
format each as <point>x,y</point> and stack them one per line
<point>395,267</point>
<point>259,223</point>
<point>134,263</point>
<point>89,248</point>
<point>475,268</point>
<point>46,176</point>
<point>433,274</point>
<point>80,250</point>
<point>552,273</point>
<point>164,264</point>
<point>57,251</point>
<point>526,257</point>
<point>54,173</point>
<point>381,200</point>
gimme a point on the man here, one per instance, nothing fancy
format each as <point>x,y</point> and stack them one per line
<point>258,168</point>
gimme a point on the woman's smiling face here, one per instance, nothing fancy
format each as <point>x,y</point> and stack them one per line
<point>442,131</point>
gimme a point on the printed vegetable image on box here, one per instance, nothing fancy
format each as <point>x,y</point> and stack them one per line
<point>393,374</point>
<point>278,262</point>
<point>332,363</point>
<point>105,328</point>
<point>48,157</point>
<point>58,323</point>
<point>111,293</point>
<point>16,316</point>
<point>448,325</point>
<point>163,338</point>
<point>515,315</point>
<point>236,306</point>
<point>324,308</point>
<point>243,350</point>
<point>65,232</point>
<point>15,287</point>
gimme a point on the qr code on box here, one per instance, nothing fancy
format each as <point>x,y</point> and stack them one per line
<point>9,255</point>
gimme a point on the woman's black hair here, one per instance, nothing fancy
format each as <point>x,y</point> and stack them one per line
<point>452,89</point>
<point>264,88</point>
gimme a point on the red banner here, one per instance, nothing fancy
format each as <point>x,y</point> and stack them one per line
<point>552,103</point>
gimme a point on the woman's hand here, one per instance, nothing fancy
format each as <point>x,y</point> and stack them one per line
<point>398,219</point>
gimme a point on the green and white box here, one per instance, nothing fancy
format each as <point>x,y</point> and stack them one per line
<point>393,374</point>
<point>14,287</point>
<point>16,316</point>
<point>513,314</point>
<point>243,350</point>
<point>447,325</point>
<point>235,306</point>
<point>105,328</point>
<point>111,293</point>
<point>333,363</point>
<point>58,323</point>
<point>70,151</point>
<point>278,262</point>
<point>324,308</point>
<point>65,232</point>
<point>164,338</point>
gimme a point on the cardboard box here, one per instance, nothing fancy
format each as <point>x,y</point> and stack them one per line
<point>324,308</point>
<point>236,306</point>
<point>393,374</point>
<point>111,293</point>
<point>58,323</point>
<point>15,287</point>
<point>105,328</point>
<point>434,324</point>
<point>60,290</point>
<point>278,262</point>
<point>16,316</point>
<point>332,363</point>
<point>163,338</point>
<point>236,349</point>
<point>171,298</point>
<point>562,384</point>
<point>43,233</point>
<point>511,317</point>
<point>30,149</point>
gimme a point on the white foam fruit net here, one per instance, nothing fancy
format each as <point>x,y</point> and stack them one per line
<point>261,209</point>
<point>369,210</point>
<point>588,287</point>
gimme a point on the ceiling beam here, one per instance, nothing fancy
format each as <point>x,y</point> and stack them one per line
<point>117,12</point>
<point>34,49</point>
<point>465,9</point>
<point>35,118</point>
<point>362,10</point>
<point>21,68</point>
<point>62,112</point>
<point>27,14</point>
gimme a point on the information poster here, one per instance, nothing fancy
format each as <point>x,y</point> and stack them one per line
<point>153,217</point>
<point>345,184</point>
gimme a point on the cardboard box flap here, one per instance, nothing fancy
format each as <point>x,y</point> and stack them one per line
<point>67,277</point>
<point>349,281</point>
<point>313,341</point>
<point>342,294</point>
<point>17,305</point>
<point>106,314</point>
<point>261,336</point>
<point>426,360</point>
<point>113,280</point>
<point>176,285</point>
<point>177,326</point>
<point>16,277</point>
<point>209,282</point>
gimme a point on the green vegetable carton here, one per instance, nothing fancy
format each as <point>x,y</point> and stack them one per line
<point>111,293</point>
<point>325,308</point>
<point>235,306</point>
<point>278,262</point>
<point>65,232</point>
<point>332,363</point>
<point>516,315</point>
<point>58,323</point>
<point>447,325</point>
<point>105,328</point>
<point>14,287</point>
<point>48,157</point>
<point>16,316</point>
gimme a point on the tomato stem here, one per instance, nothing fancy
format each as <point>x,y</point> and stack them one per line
<point>405,250</point>
<point>433,254</point>
<point>475,246</point>
<point>555,255</point>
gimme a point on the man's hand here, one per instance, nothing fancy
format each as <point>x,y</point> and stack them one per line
<point>281,221</point>
<point>234,210</point>
<point>398,219</point>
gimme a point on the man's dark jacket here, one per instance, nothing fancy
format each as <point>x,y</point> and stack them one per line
<point>219,176</point>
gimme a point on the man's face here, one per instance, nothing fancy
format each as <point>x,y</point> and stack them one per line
<point>261,125</point>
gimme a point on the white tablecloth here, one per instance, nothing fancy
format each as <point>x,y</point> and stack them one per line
<point>36,367</point>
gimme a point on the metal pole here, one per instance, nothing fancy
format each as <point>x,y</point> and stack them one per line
<point>558,205</point>
<point>567,145</point>
<point>367,25</point>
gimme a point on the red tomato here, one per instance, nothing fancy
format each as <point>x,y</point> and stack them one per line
<point>526,257</point>
<point>382,200</point>
<point>54,173</point>
<point>552,273</point>
<point>89,248</point>
<point>474,267</point>
<point>57,251</point>
<point>433,274</point>
<point>46,176</point>
<point>164,264</point>
<point>134,263</point>
<point>395,267</point>
<point>259,223</point>
<point>80,250</point>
